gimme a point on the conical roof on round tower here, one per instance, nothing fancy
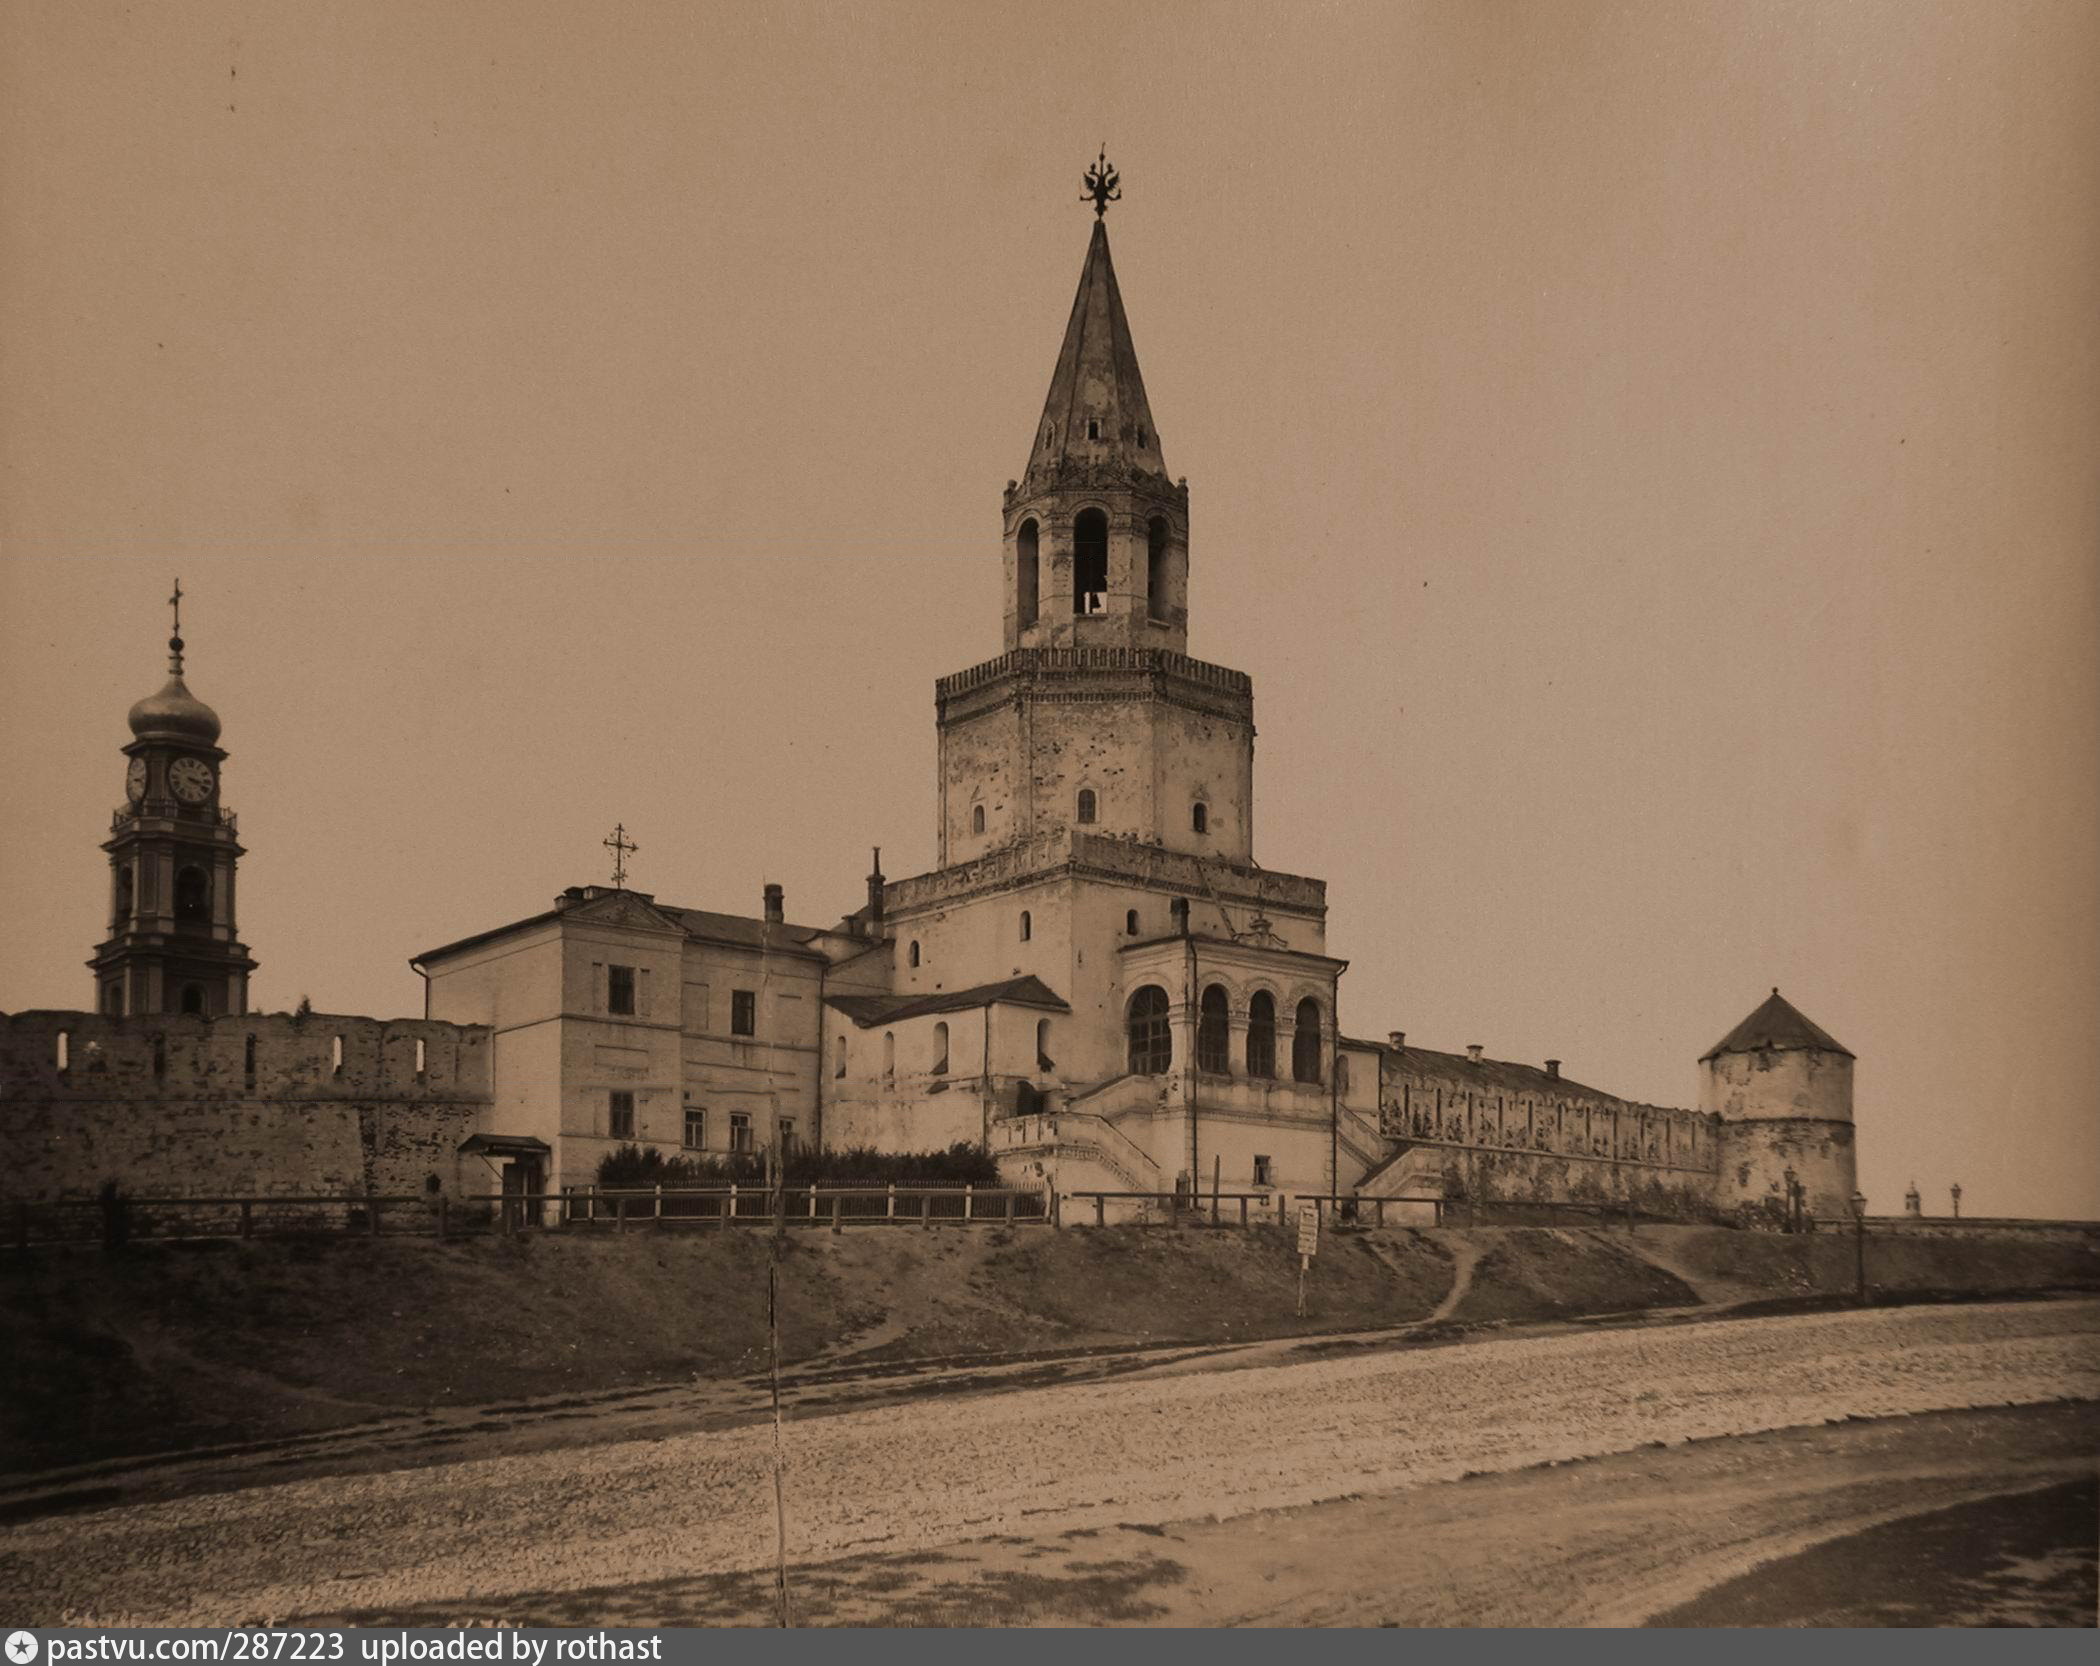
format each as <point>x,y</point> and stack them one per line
<point>1777,1026</point>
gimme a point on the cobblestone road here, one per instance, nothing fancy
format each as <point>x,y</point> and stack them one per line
<point>901,1477</point>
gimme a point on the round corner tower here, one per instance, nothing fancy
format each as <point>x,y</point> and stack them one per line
<point>1782,1088</point>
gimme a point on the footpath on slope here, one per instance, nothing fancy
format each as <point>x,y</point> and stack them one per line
<point>210,1346</point>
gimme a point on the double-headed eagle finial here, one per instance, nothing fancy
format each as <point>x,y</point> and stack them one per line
<point>1102,185</point>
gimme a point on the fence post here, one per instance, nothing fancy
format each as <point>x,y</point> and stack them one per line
<point>926,1209</point>
<point>1243,1208</point>
<point>1381,1213</point>
<point>247,1218</point>
<point>507,1205</point>
<point>730,1218</point>
<point>620,1213</point>
<point>968,1206</point>
<point>1101,1209</point>
<point>890,1213</point>
<point>813,1203</point>
<point>657,1213</point>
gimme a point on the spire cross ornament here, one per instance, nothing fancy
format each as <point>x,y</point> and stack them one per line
<point>1103,185</point>
<point>175,641</point>
<point>622,847</point>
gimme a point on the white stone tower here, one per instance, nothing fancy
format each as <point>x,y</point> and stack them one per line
<point>1782,1088</point>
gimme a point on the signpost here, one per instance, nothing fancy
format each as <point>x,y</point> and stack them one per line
<point>1308,1246</point>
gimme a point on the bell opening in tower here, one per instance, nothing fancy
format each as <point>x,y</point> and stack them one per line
<point>1026,572</point>
<point>1090,562</point>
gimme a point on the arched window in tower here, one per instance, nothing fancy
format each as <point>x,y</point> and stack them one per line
<point>124,895</point>
<point>1214,1033</point>
<point>889,1058</point>
<point>1151,1040</point>
<point>1090,562</point>
<point>1088,807</point>
<point>940,1049</point>
<point>192,896</point>
<point>913,955</point>
<point>1199,817</point>
<point>838,1056</point>
<point>1130,923</point>
<point>1043,1060</point>
<point>1027,575</point>
<point>1027,925</point>
<point>1261,1035</point>
<point>1156,569</point>
<point>1306,1043</point>
<point>977,818</point>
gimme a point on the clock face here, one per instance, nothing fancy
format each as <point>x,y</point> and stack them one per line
<point>190,780</point>
<point>135,780</point>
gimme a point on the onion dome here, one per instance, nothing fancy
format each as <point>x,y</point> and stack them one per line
<point>175,713</point>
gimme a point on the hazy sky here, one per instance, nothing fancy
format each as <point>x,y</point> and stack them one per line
<point>1645,455</point>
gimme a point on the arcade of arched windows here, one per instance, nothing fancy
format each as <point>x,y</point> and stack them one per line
<point>1236,1034</point>
<point>1613,1131</point>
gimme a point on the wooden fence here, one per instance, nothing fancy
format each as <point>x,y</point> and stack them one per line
<point>122,1219</point>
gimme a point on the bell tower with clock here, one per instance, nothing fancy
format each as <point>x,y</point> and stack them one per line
<point>172,945</point>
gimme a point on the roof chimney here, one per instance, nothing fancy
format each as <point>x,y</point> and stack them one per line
<point>1473,1051</point>
<point>1553,1068</point>
<point>875,883</point>
<point>1398,1038</point>
<point>776,905</point>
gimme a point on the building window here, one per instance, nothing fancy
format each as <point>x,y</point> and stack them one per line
<point>1151,1040</point>
<point>1043,1061</point>
<point>619,989</point>
<point>787,1137</point>
<point>1199,818</point>
<point>124,895</point>
<point>1261,1035</point>
<point>620,1116</point>
<point>1090,562</point>
<point>335,1055</point>
<point>889,1058</point>
<point>1027,925</point>
<point>1087,807</point>
<point>914,955</point>
<point>1214,1033</point>
<point>695,1128</point>
<point>940,1049</point>
<point>1305,1045</point>
<point>1093,428</point>
<point>1130,923</point>
<point>1026,572</point>
<point>977,818</point>
<point>1156,569</point>
<point>838,1065</point>
<point>740,1133</point>
<point>743,1012</point>
<point>1264,1175</point>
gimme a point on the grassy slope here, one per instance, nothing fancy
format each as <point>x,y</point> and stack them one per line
<point>171,1345</point>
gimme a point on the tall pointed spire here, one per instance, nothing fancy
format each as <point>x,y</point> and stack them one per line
<point>1096,412</point>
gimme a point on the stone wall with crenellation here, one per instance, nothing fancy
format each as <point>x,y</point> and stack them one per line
<point>255,1105</point>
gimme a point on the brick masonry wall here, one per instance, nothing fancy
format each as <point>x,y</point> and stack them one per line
<point>259,1105</point>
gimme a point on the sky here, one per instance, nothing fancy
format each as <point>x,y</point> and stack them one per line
<point>1643,454</point>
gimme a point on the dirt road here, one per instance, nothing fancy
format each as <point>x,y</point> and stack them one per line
<point>480,1538</point>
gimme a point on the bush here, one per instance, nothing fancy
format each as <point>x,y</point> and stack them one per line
<point>633,1166</point>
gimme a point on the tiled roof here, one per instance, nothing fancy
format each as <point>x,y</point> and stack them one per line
<point>870,1010</point>
<point>1776,1026</point>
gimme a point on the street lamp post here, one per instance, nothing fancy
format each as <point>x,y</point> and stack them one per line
<point>1955,1189</point>
<point>1859,1240</point>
